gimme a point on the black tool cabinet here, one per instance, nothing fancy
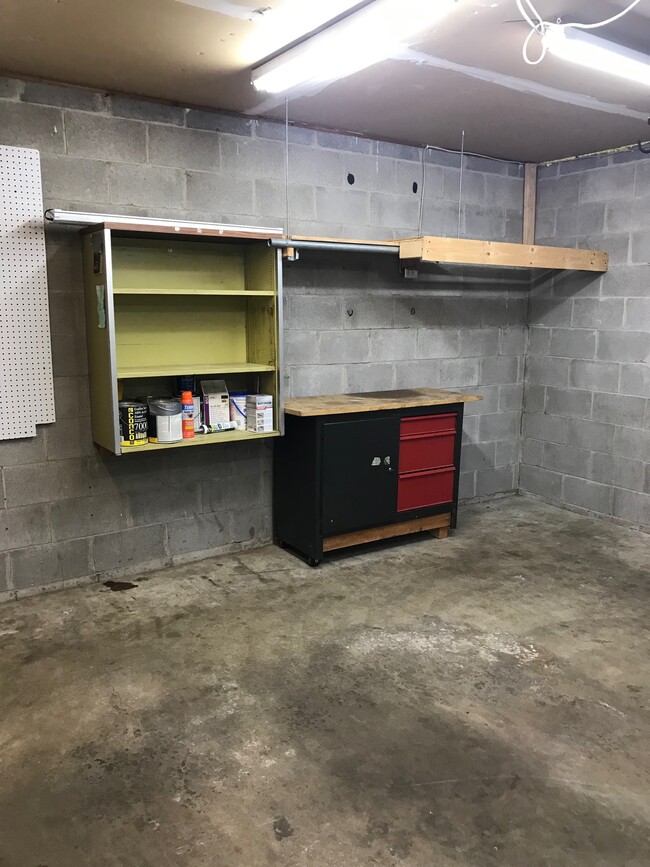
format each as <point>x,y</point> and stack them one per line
<point>341,479</point>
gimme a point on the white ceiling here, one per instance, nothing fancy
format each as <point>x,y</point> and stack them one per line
<point>466,74</point>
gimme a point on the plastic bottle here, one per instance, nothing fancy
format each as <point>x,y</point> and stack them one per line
<point>188,415</point>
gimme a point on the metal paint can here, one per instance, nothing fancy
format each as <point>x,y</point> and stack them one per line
<point>133,423</point>
<point>165,420</point>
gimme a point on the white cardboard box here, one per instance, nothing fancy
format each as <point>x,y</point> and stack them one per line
<point>259,413</point>
<point>259,401</point>
<point>260,421</point>
<point>216,401</point>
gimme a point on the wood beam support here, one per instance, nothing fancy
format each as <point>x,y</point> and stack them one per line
<point>439,524</point>
<point>530,202</point>
<point>463,251</point>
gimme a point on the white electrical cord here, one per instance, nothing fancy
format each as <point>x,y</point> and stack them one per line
<point>527,9</point>
<point>607,20</point>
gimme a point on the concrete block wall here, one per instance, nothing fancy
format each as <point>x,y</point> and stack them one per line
<point>356,325</point>
<point>586,424</point>
<point>68,514</point>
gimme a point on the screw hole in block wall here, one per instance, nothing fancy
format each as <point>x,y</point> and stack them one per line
<point>415,186</point>
<point>350,178</point>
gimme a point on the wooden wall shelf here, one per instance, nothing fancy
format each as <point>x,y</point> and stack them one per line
<point>461,251</point>
<point>226,436</point>
<point>191,370</point>
<point>189,290</point>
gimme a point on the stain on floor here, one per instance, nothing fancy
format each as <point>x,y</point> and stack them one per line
<point>480,700</point>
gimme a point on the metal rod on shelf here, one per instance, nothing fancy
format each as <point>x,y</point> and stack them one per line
<point>341,246</point>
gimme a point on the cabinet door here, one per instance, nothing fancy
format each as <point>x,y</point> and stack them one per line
<point>359,474</point>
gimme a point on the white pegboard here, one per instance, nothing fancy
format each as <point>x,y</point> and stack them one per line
<point>26,387</point>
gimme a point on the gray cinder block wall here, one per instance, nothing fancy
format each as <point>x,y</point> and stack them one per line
<point>351,324</point>
<point>586,425</point>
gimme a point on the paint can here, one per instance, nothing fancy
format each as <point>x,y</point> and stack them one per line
<point>133,423</point>
<point>238,409</point>
<point>165,420</point>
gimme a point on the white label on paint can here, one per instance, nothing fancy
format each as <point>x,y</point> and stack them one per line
<point>169,428</point>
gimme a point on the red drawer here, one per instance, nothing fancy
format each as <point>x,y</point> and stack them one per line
<point>426,452</point>
<point>416,490</point>
<point>419,424</point>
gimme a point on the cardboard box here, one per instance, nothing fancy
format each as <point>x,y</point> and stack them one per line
<point>259,413</point>
<point>259,401</point>
<point>216,401</point>
<point>260,421</point>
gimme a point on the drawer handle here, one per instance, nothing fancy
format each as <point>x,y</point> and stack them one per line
<point>427,472</point>
<point>427,435</point>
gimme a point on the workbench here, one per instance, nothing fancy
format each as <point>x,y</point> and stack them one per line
<point>356,468</point>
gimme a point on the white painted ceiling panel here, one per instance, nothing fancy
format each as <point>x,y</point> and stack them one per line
<point>466,73</point>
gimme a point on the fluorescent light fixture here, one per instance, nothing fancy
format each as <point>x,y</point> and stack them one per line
<point>363,38</point>
<point>573,44</point>
<point>81,218</point>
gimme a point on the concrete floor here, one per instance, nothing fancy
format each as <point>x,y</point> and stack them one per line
<point>475,701</point>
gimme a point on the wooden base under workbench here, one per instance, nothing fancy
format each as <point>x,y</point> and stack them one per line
<point>438,524</point>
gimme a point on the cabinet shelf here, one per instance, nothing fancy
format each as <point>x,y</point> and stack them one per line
<point>156,293</point>
<point>191,370</point>
<point>226,436</point>
<point>159,306</point>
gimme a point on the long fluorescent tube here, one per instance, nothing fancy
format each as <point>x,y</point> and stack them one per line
<point>81,218</point>
<point>576,46</point>
<point>361,39</point>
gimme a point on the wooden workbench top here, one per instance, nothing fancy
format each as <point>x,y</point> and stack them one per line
<point>370,401</point>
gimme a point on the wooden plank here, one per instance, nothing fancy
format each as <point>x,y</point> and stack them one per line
<point>411,248</point>
<point>216,367</point>
<point>388,531</point>
<point>530,200</point>
<point>189,290</point>
<point>225,436</point>
<point>340,404</point>
<point>462,251</point>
